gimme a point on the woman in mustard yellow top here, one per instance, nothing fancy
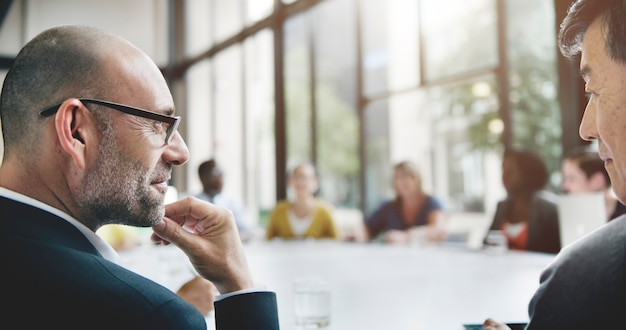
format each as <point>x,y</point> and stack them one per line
<point>305,216</point>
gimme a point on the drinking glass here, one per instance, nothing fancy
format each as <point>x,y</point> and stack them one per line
<point>311,303</point>
<point>496,242</point>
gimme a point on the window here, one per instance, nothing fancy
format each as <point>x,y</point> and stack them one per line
<point>260,165</point>
<point>442,83</point>
<point>337,127</point>
<point>459,36</point>
<point>390,45</point>
<point>535,116</point>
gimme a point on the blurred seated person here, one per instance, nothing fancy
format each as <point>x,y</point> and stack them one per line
<point>120,237</point>
<point>528,216</point>
<point>412,209</point>
<point>584,172</point>
<point>200,293</point>
<point>305,216</point>
<point>212,178</point>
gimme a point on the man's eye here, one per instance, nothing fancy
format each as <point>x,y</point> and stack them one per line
<point>159,127</point>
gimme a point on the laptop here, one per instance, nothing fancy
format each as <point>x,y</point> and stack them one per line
<point>468,227</point>
<point>580,214</point>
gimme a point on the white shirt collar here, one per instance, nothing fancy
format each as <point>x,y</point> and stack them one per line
<point>105,249</point>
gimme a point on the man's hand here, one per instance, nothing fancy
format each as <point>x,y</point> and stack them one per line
<point>395,236</point>
<point>491,324</point>
<point>208,235</point>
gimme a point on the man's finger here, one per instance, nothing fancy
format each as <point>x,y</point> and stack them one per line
<point>170,231</point>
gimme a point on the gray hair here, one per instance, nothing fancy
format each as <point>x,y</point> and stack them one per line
<point>580,16</point>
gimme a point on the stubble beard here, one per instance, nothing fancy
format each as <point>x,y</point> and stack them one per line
<point>117,190</point>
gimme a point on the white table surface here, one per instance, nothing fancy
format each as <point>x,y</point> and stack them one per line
<point>375,286</point>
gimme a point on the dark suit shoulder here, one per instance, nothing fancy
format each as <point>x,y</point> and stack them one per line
<point>58,273</point>
<point>584,288</point>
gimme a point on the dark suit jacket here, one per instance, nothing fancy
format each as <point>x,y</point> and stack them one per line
<point>585,286</point>
<point>52,277</point>
<point>543,225</point>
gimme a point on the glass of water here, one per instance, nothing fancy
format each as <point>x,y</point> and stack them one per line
<point>311,303</point>
<point>496,242</point>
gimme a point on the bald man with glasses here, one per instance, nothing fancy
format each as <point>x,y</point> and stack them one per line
<point>90,139</point>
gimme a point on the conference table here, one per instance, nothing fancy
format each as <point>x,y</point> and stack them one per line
<point>377,286</point>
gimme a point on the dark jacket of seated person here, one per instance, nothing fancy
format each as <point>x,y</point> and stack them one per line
<point>527,216</point>
<point>542,226</point>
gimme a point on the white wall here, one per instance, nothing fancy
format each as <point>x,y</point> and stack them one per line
<point>142,22</point>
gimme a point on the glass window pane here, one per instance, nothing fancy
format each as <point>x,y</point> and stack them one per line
<point>227,18</point>
<point>198,120</point>
<point>258,9</point>
<point>11,33</point>
<point>458,36</point>
<point>375,50</point>
<point>229,118</point>
<point>337,128</point>
<point>398,129</point>
<point>465,136</point>
<point>452,133</point>
<point>390,45</point>
<point>260,145</point>
<point>297,90</point>
<point>411,134</point>
<point>198,31</point>
<point>377,145</point>
<point>143,23</point>
<point>535,115</point>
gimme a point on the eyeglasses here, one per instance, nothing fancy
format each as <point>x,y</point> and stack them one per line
<point>170,121</point>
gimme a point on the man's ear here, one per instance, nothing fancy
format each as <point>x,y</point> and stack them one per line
<point>75,128</point>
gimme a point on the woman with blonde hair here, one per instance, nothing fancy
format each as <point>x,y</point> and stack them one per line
<point>411,211</point>
<point>305,216</point>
